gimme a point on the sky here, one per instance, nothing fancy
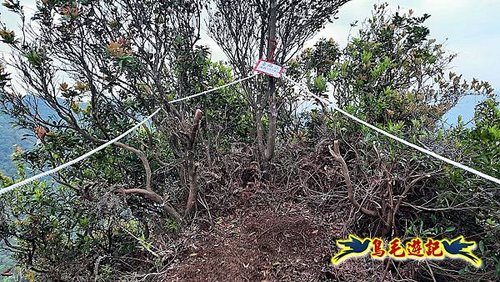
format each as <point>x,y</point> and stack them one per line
<point>466,27</point>
<point>469,28</point>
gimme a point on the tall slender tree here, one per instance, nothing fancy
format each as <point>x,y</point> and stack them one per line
<point>243,29</point>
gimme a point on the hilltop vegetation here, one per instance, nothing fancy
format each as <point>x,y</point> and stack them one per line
<point>241,183</point>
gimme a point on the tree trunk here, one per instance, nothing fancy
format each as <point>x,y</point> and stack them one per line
<point>271,91</point>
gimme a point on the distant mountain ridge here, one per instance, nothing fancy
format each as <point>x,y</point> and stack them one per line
<point>12,136</point>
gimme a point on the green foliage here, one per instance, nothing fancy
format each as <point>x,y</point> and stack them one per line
<point>136,58</point>
<point>391,71</point>
<point>320,83</point>
<point>49,225</point>
<point>393,75</point>
<point>227,106</point>
<point>105,53</point>
<point>35,57</point>
<point>481,146</point>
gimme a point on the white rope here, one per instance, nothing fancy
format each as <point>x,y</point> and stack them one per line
<point>90,153</point>
<point>213,89</point>
<point>430,153</point>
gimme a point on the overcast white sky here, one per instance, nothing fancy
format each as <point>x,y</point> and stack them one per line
<point>471,27</point>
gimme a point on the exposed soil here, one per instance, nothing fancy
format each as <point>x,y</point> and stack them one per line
<point>290,243</point>
<point>286,231</point>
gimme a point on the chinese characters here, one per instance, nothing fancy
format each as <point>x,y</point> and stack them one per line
<point>414,248</point>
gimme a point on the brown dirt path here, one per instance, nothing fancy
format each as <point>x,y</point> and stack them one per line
<point>291,244</point>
